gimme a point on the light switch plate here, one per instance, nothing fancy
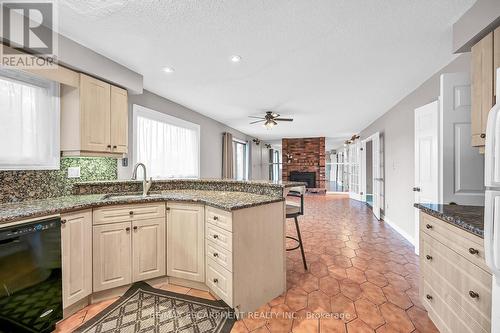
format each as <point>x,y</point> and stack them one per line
<point>74,172</point>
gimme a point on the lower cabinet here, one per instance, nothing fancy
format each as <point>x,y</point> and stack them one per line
<point>148,248</point>
<point>112,255</point>
<point>185,241</point>
<point>76,243</point>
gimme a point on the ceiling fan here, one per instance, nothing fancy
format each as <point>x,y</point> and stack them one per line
<point>270,119</point>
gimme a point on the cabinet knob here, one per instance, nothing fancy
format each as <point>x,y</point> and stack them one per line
<point>135,227</point>
<point>114,147</point>
<point>473,250</point>
<point>216,236</point>
<point>428,257</point>
<point>482,135</point>
<point>216,254</point>
<point>429,297</point>
<point>216,280</point>
<point>63,221</point>
<point>131,212</point>
<point>127,229</point>
<point>416,189</point>
<point>428,226</point>
<point>473,294</point>
<point>109,146</point>
<point>216,218</point>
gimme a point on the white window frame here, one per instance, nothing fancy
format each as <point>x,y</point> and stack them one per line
<point>247,158</point>
<point>52,162</point>
<point>138,110</point>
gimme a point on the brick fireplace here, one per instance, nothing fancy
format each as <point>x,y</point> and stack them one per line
<point>302,157</point>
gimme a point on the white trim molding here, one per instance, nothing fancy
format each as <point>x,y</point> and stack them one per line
<point>399,230</point>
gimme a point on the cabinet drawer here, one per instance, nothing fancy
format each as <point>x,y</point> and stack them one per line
<point>221,256</point>
<point>219,236</point>
<point>219,218</point>
<point>467,245</point>
<point>455,277</point>
<point>220,281</point>
<point>122,213</point>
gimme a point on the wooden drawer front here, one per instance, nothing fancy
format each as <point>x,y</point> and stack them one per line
<point>219,218</point>
<point>220,281</point>
<point>447,317</point>
<point>219,236</point>
<point>457,277</point>
<point>123,213</point>
<point>218,254</point>
<point>467,245</point>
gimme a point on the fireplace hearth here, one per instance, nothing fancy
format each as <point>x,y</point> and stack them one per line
<point>307,177</point>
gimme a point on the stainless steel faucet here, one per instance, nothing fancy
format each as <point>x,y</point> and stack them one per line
<point>146,185</point>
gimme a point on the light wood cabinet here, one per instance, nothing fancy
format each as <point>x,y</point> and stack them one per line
<point>455,285</point>
<point>483,84</point>
<point>76,243</point>
<point>148,248</point>
<point>94,119</point>
<point>112,255</point>
<point>186,246</point>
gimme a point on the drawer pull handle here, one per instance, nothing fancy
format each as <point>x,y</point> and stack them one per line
<point>135,227</point>
<point>429,297</point>
<point>216,280</point>
<point>428,257</point>
<point>216,236</point>
<point>216,254</point>
<point>131,212</point>
<point>428,226</point>
<point>473,294</point>
<point>63,221</point>
<point>473,251</point>
<point>127,229</point>
<point>216,218</point>
<point>114,147</point>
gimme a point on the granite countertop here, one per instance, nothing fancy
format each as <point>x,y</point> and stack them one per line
<point>267,183</point>
<point>468,218</point>
<point>228,201</point>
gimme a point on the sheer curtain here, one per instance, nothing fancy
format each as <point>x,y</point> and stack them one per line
<point>168,146</point>
<point>29,122</point>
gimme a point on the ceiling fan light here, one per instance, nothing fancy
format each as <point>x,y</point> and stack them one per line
<point>269,124</point>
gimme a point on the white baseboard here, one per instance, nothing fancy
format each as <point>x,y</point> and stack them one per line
<point>399,230</point>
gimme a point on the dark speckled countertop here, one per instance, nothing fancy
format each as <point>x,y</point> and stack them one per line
<point>468,218</point>
<point>228,201</point>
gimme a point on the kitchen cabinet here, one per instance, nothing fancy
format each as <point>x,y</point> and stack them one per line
<point>112,255</point>
<point>148,247</point>
<point>94,119</point>
<point>484,57</point>
<point>76,244</point>
<point>455,283</point>
<point>129,244</point>
<point>186,245</point>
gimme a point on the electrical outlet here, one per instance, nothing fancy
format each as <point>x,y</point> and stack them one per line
<point>74,172</point>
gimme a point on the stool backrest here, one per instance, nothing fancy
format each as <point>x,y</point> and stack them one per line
<point>298,192</point>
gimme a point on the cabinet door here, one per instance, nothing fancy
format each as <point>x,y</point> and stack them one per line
<point>95,114</point>
<point>482,88</point>
<point>119,120</point>
<point>112,255</point>
<point>148,247</point>
<point>76,242</point>
<point>185,242</point>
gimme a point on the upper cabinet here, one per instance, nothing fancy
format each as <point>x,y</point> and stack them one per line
<point>94,119</point>
<point>485,60</point>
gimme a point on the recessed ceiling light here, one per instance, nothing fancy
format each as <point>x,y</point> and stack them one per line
<point>236,58</point>
<point>168,69</point>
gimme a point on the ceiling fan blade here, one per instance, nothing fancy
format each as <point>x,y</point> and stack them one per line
<point>257,121</point>
<point>283,119</point>
<point>256,117</point>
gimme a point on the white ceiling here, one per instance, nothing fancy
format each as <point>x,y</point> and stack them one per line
<point>333,65</point>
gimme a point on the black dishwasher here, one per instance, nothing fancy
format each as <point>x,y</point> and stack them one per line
<point>30,277</point>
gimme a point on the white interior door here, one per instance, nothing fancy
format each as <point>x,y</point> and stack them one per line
<point>377,176</point>
<point>363,171</point>
<point>426,158</point>
<point>462,171</point>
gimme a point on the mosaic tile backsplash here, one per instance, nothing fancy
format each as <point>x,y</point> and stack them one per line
<point>38,184</point>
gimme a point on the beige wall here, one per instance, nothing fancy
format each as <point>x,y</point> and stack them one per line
<point>397,129</point>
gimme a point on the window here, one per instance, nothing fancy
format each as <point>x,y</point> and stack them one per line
<point>240,159</point>
<point>168,146</point>
<point>29,122</point>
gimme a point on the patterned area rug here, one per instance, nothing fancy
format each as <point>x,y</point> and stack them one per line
<point>146,309</point>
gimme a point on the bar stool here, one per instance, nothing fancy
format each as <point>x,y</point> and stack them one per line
<point>293,210</point>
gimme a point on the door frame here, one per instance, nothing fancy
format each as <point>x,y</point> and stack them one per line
<point>373,138</point>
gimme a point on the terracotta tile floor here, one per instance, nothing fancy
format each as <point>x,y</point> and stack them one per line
<point>363,277</point>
